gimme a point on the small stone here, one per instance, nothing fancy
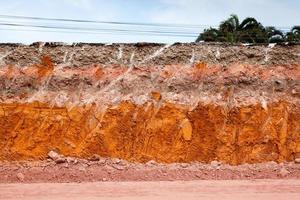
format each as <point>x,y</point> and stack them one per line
<point>20,176</point>
<point>184,165</point>
<point>297,160</point>
<point>71,160</point>
<point>118,167</point>
<point>198,176</point>
<point>279,85</point>
<point>215,163</point>
<point>95,157</point>
<point>295,92</point>
<point>104,179</point>
<point>60,160</point>
<point>284,172</point>
<point>151,163</point>
<point>278,82</point>
<point>116,161</point>
<point>53,155</point>
<point>101,162</point>
<point>82,169</point>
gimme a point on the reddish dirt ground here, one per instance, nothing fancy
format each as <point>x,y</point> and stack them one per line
<point>212,190</point>
<point>67,169</point>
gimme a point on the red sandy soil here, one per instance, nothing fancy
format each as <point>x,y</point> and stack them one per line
<point>212,190</point>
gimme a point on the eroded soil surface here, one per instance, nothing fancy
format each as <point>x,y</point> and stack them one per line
<point>67,169</point>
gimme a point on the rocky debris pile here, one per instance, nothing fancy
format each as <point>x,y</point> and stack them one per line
<point>112,169</point>
<point>116,163</point>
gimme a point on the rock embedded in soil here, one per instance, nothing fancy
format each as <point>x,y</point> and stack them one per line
<point>95,158</point>
<point>215,163</point>
<point>283,172</point>
<point>119,167</point>
<point>20,176</point>
<point>53,155</point>
<point>60,160</point>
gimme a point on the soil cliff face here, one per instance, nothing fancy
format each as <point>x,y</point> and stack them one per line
<point>141,102</point>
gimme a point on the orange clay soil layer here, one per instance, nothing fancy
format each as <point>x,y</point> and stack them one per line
<point>178,103</point>
<point>141,133</point>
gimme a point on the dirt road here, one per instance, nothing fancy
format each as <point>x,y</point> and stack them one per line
<point>233,189</point>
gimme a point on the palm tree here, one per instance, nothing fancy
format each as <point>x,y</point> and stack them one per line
<point>293,35</point>
<point>230,25</point>
<point>248,31</point>
<point>209,35</point>
<point>223,34</point>
<point>229,29</point>
<point>274,35</point>
<point>251,31</point>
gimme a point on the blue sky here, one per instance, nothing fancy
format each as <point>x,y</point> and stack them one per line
<point>281,13</point>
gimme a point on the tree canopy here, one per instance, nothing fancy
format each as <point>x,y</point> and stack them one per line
<point>248,31</point>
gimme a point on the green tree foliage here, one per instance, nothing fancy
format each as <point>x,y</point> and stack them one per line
<point>248,31</point>
<point>293,35</point>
